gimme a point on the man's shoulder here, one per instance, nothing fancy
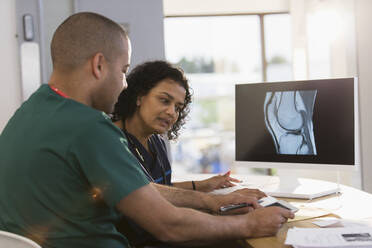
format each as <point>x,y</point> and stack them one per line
<point>88,123</point>
<point>79,113</point>
<point>67,110</point>
<point>56,113</point>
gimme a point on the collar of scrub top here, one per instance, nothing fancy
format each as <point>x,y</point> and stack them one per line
<point>141,159</point>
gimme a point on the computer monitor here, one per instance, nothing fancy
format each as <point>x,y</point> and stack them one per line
<point>310,124</point>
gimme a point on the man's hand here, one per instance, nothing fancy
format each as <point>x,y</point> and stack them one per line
<point>267,221</point>
<point>216,182</point>
<point>251,193</point>
<point>217,201</point>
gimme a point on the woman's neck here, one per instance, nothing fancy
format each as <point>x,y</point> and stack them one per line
<point>134,127</point>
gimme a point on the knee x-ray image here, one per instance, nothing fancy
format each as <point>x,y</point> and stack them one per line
<point>289,119</point>
<point>297,122</point>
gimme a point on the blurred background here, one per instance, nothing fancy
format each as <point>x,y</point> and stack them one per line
<point>218,43</point>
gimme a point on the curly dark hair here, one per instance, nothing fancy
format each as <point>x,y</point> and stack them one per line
<point>141,80</point>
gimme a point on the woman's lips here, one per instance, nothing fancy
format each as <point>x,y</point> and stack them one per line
<point>165,122</point>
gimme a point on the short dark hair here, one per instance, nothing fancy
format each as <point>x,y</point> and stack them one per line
<point>141,80</point>
<point>81,36</point>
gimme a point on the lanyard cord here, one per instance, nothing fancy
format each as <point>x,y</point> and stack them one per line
<point>58,91</point>
<point>141,159</point>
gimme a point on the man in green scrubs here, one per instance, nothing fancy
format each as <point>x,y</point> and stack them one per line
<point>64,166</point>
<point>66,174</point>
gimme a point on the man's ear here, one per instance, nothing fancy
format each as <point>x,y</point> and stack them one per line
<point>99,65</point>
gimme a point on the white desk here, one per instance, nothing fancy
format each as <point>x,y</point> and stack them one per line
<point>351,204</point>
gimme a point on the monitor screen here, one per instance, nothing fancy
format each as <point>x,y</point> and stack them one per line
<point>308,122</point>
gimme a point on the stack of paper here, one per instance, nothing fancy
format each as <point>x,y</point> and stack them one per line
<point>330,237</point>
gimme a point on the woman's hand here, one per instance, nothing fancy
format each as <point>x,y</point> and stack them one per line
<point>216,182</point>
<point>251,193</point>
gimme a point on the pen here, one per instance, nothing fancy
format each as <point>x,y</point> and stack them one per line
<point>234,206</point>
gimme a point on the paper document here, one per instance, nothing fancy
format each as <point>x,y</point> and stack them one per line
<point>306,213</point>
<point>335,222</point>
<point>329,237</point>
<point>229,190</point>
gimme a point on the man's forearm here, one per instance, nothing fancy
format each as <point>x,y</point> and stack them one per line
<point>196,228</point>
<point>186,198</point>
<point>168,223</point>
<point>183,185</point>
<point>181,225</point>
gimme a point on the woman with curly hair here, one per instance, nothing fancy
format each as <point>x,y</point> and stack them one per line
<point>157,102</point>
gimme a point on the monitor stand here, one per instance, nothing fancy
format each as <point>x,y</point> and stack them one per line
<point>290,186</point>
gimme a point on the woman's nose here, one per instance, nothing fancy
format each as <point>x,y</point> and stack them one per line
<point>171,110</point>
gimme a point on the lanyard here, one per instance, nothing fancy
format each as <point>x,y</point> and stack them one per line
<point>141,160</point>
<point>58,91</point>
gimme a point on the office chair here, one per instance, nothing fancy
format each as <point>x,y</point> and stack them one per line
<point>11,240</point>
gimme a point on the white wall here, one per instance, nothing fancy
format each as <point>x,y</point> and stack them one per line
<point>364,47</point>
<point>205,7</point>
<point>54,13</point>
<point>145,19</point>
<point>10,87</point>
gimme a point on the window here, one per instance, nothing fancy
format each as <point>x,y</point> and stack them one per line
<point>217,52</point>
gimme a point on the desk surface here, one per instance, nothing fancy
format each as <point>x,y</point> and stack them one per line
<point>352,204</point>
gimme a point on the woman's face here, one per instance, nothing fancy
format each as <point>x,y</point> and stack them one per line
<point>160,108</point>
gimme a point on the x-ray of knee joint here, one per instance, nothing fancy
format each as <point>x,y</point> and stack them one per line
<point>289,119</point>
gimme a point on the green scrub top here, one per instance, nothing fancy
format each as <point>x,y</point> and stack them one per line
<point>63,168</point>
